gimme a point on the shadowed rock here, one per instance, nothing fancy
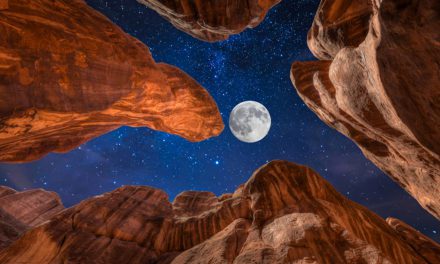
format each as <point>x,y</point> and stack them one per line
<point>212,20</point>
<point>68,75</point>
<point>20,211</point>
<point>285,213</point>
<point>377,82</point>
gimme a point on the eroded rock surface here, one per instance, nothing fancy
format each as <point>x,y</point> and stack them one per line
<point>68,74</point>
<point>212,20</point>
<point>420,243</point>
<point>285,213</point>
<point>20,211</point>
<point>378,83</point>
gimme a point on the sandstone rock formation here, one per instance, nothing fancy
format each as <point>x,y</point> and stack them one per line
<point>286,213</point>
<point>68,74</point>
<point>20,211</point>
<point>212,20</point>
<point>420,243</point>
<point>378,83</point>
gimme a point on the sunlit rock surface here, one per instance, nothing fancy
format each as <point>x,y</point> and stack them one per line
<point>20,211</point>
<point>285,213</point>
<point>68,74</point>
<point>212,20</point>
<point>378,83</point>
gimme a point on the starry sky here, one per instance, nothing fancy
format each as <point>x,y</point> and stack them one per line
<point>253,65</point>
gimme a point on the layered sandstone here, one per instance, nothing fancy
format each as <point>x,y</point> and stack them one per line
<point>20,211</point>
<point>378,83</point>
<point>68,74</point>
<point>285,213</point>
<point>212,20</point>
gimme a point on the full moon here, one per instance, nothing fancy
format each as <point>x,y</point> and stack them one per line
<point>249,121</point>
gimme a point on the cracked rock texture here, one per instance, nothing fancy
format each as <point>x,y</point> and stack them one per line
<point>212,20</point>
<point>68,75</point>
<point>20,211</point>
<point>285,213</point>
<point>378,83</point>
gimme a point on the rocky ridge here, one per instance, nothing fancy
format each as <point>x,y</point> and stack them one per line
<point>20,211</point>
<point>285,213</point>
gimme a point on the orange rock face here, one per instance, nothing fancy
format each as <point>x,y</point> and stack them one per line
<point>286,213</point>
<point>420,243</point>
<point>68,74</point>
<point>4,4</point>
<point>378,83</point>
<point>212,20</point>
<point>20,211</point>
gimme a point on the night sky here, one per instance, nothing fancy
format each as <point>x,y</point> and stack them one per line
<point>253,65</point>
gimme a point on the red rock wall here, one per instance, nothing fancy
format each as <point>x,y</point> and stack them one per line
<point>68,74</point>
<point>285,213</point>
<point>212,20</point>
<point>377,82</point>
<point>420,243</point>
<point>20,211</point>
<point>4,4</point>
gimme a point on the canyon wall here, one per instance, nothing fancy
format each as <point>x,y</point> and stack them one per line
<point>285,213</point>
<point>20,211</point>
<point>68,75</point>
<point>377,81</point>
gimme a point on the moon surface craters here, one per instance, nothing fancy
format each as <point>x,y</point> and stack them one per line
<point>249,121</point>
